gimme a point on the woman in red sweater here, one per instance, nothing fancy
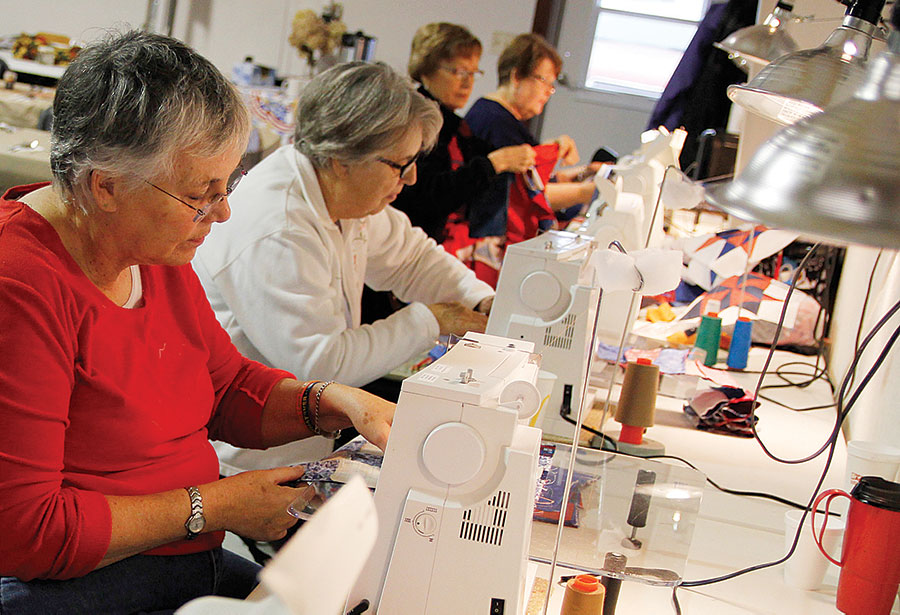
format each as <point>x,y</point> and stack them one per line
<point>114,373</point>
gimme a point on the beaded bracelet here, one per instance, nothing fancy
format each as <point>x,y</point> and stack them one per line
<point>331,435</point>
<point>303,403</point>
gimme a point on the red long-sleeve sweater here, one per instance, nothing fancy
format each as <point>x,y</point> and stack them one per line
<point>98,399</point>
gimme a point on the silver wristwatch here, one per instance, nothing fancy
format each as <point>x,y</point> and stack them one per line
<point>196,521</point>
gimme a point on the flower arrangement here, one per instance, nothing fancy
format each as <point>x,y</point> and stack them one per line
<point>314,35</point>
<point>57,46</point>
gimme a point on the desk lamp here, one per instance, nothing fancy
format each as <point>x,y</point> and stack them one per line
<point>762,43</point>
<point>802,83</point>
<point>835,174</point>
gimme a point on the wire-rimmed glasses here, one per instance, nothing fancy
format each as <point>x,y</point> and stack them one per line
<point>233,180</point>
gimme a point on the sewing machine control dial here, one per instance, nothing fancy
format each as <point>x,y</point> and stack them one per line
<point>425,524</point>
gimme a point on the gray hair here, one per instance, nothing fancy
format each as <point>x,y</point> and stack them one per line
<point>356,111</point>
<point>130,103</point>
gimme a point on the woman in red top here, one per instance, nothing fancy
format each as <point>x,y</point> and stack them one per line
<point>114,372</point>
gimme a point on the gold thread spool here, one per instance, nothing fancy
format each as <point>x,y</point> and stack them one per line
<point>637,400</point>
<point>584,596</point>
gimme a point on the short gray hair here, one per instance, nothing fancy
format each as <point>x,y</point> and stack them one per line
<point>130,103</point>
<point>356,111</point>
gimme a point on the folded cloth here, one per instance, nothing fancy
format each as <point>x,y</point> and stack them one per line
<point>725,410</point>
<point>358,456</point>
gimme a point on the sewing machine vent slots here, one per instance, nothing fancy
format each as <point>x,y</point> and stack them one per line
<point>488,522</point>
<point>561,335</point>
<point>455,497</point>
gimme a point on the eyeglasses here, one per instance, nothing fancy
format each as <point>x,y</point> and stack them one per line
<point>461,73</point>
<point>550,86</point>
<point>233,180</point>
<point>403,168</point>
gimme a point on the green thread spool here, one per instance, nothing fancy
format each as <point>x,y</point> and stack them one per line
<point>708,337</point>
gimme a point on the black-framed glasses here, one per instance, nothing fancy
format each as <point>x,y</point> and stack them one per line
<point>461,73</point>
<point>233,180</point>
<point>550,86</point>
<point>402,168</point>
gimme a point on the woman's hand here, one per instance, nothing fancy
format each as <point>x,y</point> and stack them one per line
<point>484,306</point>
<point>578,174</point>
<point>342,405</point>
<point>457,319</point>
<point>513,158</point>
<point>253,504</point>
<point>568,153</point>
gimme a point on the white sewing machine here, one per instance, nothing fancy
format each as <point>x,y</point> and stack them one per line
<point>629,192</point>
<point>547,294</point>
<point>455,497</point>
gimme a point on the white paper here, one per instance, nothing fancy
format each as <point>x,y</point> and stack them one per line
<point>314,571</point>
<point>771,311</point>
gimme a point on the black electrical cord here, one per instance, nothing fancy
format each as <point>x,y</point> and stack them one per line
<point>842,411</point>
<point>754,494</point>
<point>862,313</point>
<point>831,447</point>
<point>752,417</point>
<point>819,373</point>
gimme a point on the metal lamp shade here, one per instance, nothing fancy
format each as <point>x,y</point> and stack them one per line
<point>836,174</point>
<point>761,43</point>
<point>802,83</point>
<point>757,45</point>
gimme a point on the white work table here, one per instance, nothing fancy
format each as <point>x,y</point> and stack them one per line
<point>733,532</point>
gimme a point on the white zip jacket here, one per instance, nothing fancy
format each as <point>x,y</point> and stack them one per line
<point>286,281</point>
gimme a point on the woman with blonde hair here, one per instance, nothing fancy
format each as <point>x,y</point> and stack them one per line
<point>461,169</point>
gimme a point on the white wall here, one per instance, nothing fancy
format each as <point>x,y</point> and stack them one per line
<point>78,20</point>
<point>225,31</point>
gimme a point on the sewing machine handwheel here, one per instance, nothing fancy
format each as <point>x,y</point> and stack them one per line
<point>540,291</point>
<point>453,453</point>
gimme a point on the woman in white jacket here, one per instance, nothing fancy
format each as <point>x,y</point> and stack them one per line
<point>311,225</point>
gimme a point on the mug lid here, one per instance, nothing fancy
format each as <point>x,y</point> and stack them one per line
<point>878,492</point>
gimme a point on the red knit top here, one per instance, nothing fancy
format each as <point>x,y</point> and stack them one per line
<point>98,399</point>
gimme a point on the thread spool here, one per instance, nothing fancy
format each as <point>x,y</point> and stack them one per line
<point>708,337</point>
<point>584,596</point>
<point>637,401</point>
<point>739,348</point>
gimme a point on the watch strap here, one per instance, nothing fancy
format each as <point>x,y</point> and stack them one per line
<point>196,510</point>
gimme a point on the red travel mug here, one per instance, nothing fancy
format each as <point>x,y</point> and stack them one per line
<point>870,556</point>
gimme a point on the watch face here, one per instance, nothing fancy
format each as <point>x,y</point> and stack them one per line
<point>196,524</point>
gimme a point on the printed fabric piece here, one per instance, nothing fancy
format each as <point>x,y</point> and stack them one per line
<point>724,410</point>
